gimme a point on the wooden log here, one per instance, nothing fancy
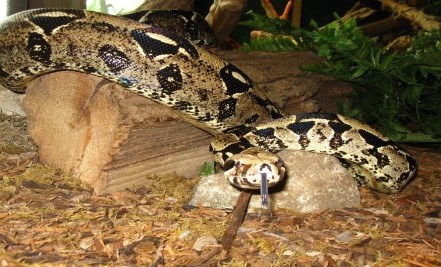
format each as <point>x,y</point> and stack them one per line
<point>111,138</point>
<point>384,26</point>
<point>224,16</point>
<point>427,22</point>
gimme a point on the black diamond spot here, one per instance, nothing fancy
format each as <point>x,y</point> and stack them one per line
<point>39,49</point>
<point>115,59</point>
<point>170,78</point>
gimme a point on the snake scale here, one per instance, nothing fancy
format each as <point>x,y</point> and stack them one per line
<point>210,93</point>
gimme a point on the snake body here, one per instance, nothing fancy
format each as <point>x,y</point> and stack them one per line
<point>209,92</point>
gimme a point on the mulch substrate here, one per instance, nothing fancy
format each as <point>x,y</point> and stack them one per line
<point>48,218</point>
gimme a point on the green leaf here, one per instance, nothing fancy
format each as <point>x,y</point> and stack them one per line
<point>324,50</point>
<point>359,72</point>
<point>207,169</point>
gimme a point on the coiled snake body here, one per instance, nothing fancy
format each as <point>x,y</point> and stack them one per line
<point>211,93</point>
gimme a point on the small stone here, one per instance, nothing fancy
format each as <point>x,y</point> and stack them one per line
<point>87,242</point>
<point>288,253</point>
<point>11,103</point>
<point>204,241</point>
<point>147,209</point>
<point>432,220</point>
<point>184,234</point>
<point>313,253</point>
<point>344,237</point>
<point>171,200</point>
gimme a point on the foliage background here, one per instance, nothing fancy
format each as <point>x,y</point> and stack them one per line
<point>399,92</point>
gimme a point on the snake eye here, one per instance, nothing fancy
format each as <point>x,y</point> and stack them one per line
<point>229,164</point>
<point>279,163</point>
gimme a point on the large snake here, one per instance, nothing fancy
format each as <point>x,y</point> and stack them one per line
<point>209,92</point>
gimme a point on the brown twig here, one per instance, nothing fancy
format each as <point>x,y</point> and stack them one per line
<point>230,233</point>
<point>271,11</point>
<point>287,10</point>
<point>206,256</point>
<point>237,218</point>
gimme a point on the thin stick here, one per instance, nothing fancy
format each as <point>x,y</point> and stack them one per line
<point>201,260</point>
<point>237,218</point>
<point>227,240</point>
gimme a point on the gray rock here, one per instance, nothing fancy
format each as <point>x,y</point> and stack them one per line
<point>314,182</point>
<point>11,103</point>
<point>203,242</point>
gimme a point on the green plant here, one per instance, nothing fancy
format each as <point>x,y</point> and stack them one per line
<point>398,92</point>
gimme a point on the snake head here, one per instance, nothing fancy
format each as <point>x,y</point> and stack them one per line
<point>246,169</point>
